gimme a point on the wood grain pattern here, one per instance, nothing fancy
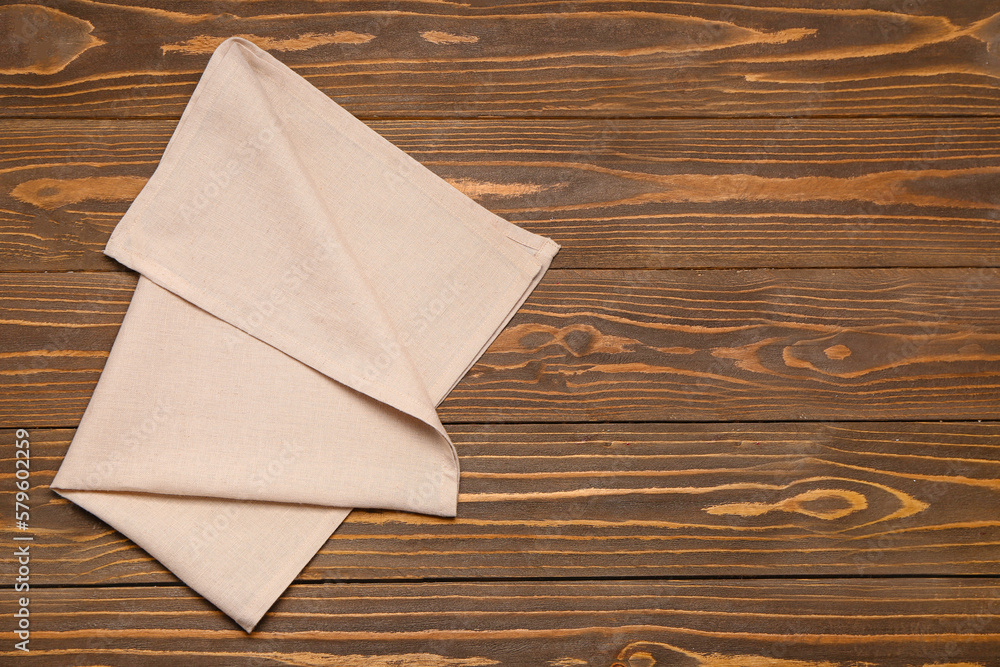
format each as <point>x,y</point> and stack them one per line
<point>621,500</point>
<point>641,449</point>
<point>857,344</point>
<point>426,58</point>
<point>772,623</point>
<point>614,193</point>
<point>42,40</point>
<point>622,346</point>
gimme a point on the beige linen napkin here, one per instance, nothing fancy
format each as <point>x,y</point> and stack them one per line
<point>308,295</point>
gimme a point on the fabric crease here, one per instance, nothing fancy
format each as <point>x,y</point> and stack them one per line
<point>308,295</point>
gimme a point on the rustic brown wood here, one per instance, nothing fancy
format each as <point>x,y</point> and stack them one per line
<point>734,345</point>
<point>774,623</point>
<point>800,140</point>
<point>622,345</point>
<point>621,500</point>
<point>421,58</point>
<point>614,193</point>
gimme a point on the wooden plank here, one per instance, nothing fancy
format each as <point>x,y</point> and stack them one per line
<point>849,344</point>
<point>853,344</point>
<point>792,623</point>
<point>615,194</point>
<point>419,58</point>
<point>620,500</point>
<point>55,333</point>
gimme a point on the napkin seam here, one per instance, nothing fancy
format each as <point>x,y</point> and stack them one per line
<point>191,123</point>
<point>179,142</point>
<point>321,105</point>
<point>317,100</point>
<point>395,210</point>
<point>159,272</point>
<point>496,331</point>
<point>501,227</point>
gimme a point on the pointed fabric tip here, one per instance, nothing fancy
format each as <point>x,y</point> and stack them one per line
<point>308,295</point>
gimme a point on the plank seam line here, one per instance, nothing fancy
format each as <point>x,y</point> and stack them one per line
<point>597,579</point>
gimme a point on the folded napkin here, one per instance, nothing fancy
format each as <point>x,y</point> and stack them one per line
<point>308,295</point>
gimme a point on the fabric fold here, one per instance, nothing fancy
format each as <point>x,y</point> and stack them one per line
<point>308,295</point>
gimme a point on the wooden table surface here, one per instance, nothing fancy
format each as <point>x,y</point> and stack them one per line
<point>749,417</point>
